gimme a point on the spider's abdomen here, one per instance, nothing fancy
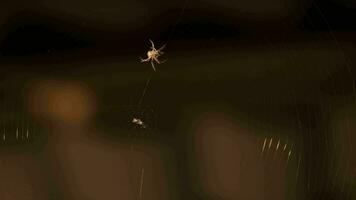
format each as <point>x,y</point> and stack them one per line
<point>150,54</point>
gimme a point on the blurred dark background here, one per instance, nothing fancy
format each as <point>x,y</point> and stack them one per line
<point>256,100</point>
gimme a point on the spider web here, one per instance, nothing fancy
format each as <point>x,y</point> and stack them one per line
<point>139,112</point>
<point>305,148</point>
<point>179,19</point>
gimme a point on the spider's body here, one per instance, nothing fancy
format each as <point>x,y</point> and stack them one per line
<point>153,55</point>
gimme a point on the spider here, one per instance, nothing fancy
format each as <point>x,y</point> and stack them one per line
<point>153,55</point>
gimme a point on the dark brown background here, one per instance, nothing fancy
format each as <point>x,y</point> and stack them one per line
<point>238,73</point>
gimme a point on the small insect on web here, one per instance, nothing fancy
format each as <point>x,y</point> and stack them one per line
<point>141,120</point>
<point>138,118</point>
<point>153,54</point>
<point>138,122</point>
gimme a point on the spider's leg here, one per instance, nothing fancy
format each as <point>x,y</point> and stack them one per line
<point>153,66</point>
<point>162,47</point>
<point>145,60</point>
<point>153,45</point>
<point>157,60</point>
